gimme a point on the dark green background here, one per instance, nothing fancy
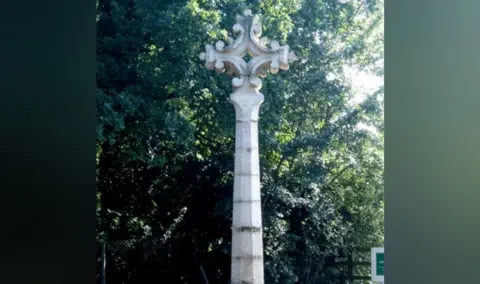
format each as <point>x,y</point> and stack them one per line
<point>432,158</point>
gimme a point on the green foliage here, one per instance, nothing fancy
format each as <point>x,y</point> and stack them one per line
<point>165,138</point>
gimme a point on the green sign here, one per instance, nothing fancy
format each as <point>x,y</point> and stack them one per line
<point>380,266</point>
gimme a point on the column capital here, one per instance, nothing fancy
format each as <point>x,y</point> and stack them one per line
<point>247,102</point>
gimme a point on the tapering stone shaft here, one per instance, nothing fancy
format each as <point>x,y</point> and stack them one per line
<point>247,243</point>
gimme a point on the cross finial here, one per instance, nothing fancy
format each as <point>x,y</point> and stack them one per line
<point>248,31</point>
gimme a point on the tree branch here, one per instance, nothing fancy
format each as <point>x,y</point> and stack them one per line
<point>337,176</point>
<point>204,275</point>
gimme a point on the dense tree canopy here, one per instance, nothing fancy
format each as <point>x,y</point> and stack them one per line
<point>165,139</point>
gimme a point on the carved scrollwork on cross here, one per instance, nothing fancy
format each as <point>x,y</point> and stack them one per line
<point>247,32</point>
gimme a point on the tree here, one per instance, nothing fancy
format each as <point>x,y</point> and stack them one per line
<point>165,140</point>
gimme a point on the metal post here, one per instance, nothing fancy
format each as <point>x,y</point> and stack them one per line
<point>103,262</point>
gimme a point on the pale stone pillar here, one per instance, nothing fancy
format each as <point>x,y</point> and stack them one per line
<point>247,244</point>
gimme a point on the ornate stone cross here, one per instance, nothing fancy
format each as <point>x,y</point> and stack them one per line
<point>247,244</point>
